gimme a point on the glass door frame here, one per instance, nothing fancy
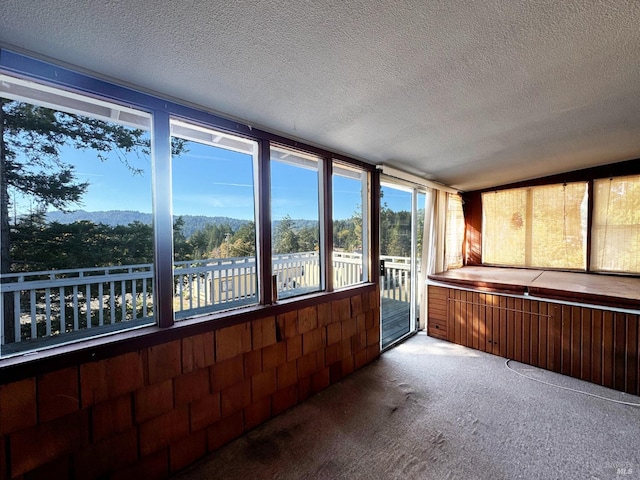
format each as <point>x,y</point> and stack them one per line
<point>414,190</point>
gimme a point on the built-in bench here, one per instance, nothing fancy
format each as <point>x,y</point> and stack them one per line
<point>579,324</point>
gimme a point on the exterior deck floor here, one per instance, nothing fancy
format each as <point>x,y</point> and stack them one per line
<point>396,320</point>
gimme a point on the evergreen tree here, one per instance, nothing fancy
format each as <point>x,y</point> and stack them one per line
<point>31,140</point>
<point>309,239</point>
<point>286,239</point>
<point>244,240</point>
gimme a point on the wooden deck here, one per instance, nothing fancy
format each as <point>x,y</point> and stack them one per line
<point>396,320</point>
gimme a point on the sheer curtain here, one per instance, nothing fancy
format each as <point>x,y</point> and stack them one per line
<point>615,244</point>
<point>542,227</point>
<point>454,232</point>
<point>432,255</point>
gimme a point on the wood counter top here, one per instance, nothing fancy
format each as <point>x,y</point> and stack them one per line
<point>610,290</point>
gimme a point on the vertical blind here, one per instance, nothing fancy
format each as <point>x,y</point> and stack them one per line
<point>541,227</point>
<point>615,244</point>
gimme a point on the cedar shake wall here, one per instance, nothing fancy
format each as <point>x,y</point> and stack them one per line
<point>152,412</point>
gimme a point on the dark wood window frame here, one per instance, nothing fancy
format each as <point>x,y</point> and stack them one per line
<point>162,110</point>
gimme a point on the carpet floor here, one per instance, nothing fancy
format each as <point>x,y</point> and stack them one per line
<point>429,409</point>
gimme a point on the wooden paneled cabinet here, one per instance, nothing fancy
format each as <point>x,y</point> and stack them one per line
<point>593,344</point>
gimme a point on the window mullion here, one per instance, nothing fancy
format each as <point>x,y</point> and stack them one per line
<point>326,224</point>
<point>263,228</point>
<point>589,223</point>
<point>366,228</point>
<point>528,248</point>
<point>162,218</point>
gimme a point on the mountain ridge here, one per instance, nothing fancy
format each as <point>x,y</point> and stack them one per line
<point>192,223</point>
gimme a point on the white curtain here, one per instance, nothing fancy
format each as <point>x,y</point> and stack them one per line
<point>433,241</point>
<point>615,244</point>
<point>454,232</point>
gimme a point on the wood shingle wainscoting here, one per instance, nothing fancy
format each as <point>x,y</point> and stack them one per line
<point>595,343</point>
<point>151,411</point>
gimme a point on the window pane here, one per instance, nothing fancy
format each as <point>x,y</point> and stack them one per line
<point>616,225</point>
<point>422,199</point>
<point>295,215</point>
<point>77,235</point>
<point>349,226</point>
<point>541,227</point>
<point>214,221</point>
<point>454,232</point>
<point>559,226</point>
<point>504,227</point>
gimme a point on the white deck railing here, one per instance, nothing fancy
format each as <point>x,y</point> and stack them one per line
<point>347,269</point>
<point>61,303</point>
<point>213,284</point>
<point>396,284</point>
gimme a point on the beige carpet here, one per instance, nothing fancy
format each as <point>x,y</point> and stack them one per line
<point>430,409</point>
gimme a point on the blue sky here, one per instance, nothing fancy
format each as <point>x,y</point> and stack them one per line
<point>209,181</point>
<point>396,199</point>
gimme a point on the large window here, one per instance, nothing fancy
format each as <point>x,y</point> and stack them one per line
<point>350,226</point>
<point>214,227</point>
<point>615,240</point>
<point>77,235</point>
<point>296,222</point>
<point>541,227</point>
<point>121,210</point>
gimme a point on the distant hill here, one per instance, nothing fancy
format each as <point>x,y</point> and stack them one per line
<point>192,223</point>
<point>107,217</point>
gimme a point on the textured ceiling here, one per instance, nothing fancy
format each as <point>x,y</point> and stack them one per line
<point>470,93</point>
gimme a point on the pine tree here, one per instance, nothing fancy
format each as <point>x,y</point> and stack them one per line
<point>31,140</point>
<point>286,239</point>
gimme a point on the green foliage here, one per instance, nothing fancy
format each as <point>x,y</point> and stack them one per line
<point>215,241</point>
<point>36,245</point>
<point>32,139</point>
<point>345,235</point>
<point>289,238</point>
<point>244,241</point>
<point>286,239</point>
<point>395,232</point>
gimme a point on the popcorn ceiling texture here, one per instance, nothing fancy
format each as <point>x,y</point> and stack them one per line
<point>473,94</point>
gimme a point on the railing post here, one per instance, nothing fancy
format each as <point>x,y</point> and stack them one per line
<point>47,310</point>
<point>16,315</point>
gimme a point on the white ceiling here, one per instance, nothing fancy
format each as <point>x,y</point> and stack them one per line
<point>472,93</point>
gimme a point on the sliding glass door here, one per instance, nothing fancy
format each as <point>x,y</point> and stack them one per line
<point>400,238</point>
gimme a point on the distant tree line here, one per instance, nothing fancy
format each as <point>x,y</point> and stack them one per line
<point>40,245</point>
<point>32,138</point>
<point>37,244</point>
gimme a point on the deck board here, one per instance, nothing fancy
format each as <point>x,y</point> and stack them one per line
<point>396,320</point>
